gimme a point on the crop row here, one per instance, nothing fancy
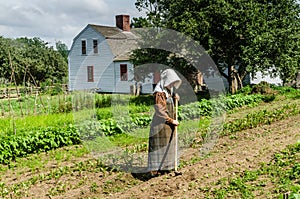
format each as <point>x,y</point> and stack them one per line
<point>44,139</point>
<point>219,105</point>
<point>19,190</point>
<point>36,141</point>
<point>110,125</point>
<point>283,172</point>
<point>261,117</point>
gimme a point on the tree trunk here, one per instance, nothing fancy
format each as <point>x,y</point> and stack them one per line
<point>231,80</point>
<point>234,80</point>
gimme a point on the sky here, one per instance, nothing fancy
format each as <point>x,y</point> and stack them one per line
<point>59,20</point>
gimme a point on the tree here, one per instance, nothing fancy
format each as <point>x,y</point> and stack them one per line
<point>157,50</point>
<point>155,11</point>
<point>242,36</point>
<point>30,60</point>
<point>62,49</point>
<point>139,22</point>
<point>4,59</point>
<point>155,58</point>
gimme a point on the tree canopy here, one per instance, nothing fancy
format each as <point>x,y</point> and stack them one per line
<point>30,60</point>
<point>241,36</point>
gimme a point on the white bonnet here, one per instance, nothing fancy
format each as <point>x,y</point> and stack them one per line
<point>169,76</point>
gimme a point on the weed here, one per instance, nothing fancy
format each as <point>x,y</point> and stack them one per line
<point>94,187</point>
<point>282,172</point>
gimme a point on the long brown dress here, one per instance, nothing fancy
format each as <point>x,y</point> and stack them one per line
<point>162,144</point>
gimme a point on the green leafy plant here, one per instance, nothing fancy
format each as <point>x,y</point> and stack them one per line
<point>36,141</point>
<point>260,117</point>
<point>217,106</point>
<point>282,170</point>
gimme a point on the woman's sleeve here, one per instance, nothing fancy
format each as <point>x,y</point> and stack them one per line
<point>160,106</point>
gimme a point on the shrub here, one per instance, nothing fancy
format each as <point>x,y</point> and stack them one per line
<point>102,100</point>
<point>139,109</point>
<point>288,92</point>
<point>142,100</point>
<point>103,113</point>
<point>65,107</point>
<point>262,88</point>
<point>269,98</point>
<point>246,90</point>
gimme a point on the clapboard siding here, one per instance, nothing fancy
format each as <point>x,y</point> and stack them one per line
<point>123,86</point>
<point>107,79</point>
<point>112,46</point>
<point>78,63</point>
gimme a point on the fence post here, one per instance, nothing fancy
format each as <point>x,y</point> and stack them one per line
<point>286,195</point>
<point>35,99</point>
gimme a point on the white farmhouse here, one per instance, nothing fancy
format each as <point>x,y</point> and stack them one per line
<point>99,58</point>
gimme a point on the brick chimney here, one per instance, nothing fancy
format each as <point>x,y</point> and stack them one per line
<point>123,22</point>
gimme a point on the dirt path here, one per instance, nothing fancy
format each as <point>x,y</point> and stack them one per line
<point>233,154</point>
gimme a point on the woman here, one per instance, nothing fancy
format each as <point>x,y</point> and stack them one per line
<point>162,142</point>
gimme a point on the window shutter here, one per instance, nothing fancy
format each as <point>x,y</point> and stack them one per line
<point>90,73</point>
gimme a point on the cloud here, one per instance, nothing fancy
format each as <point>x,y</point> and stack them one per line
<point>58,19</point>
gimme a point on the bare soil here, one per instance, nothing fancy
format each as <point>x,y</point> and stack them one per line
<point>231,155</point>
<point>245,150</point>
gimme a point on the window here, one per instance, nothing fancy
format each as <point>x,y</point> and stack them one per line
<point>123,72</point>
<point>90,73</point>
<point>83,47</point>
<point>95,46</point>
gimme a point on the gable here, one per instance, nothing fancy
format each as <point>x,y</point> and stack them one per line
<point>87,33</point>
<point>121,43</point>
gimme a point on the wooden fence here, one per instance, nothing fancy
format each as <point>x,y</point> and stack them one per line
<point>6,93</point>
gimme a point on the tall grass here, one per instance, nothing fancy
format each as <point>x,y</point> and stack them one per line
<point>24,124</point>
<point>35,105</point>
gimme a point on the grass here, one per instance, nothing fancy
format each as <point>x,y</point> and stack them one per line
<point>34,104</point>
<point>100,145</point>
<point>23,124</point>
<point>124,140</point>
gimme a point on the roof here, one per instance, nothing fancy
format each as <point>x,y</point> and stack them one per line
<point>106,31</point>
<point>121,42</point>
